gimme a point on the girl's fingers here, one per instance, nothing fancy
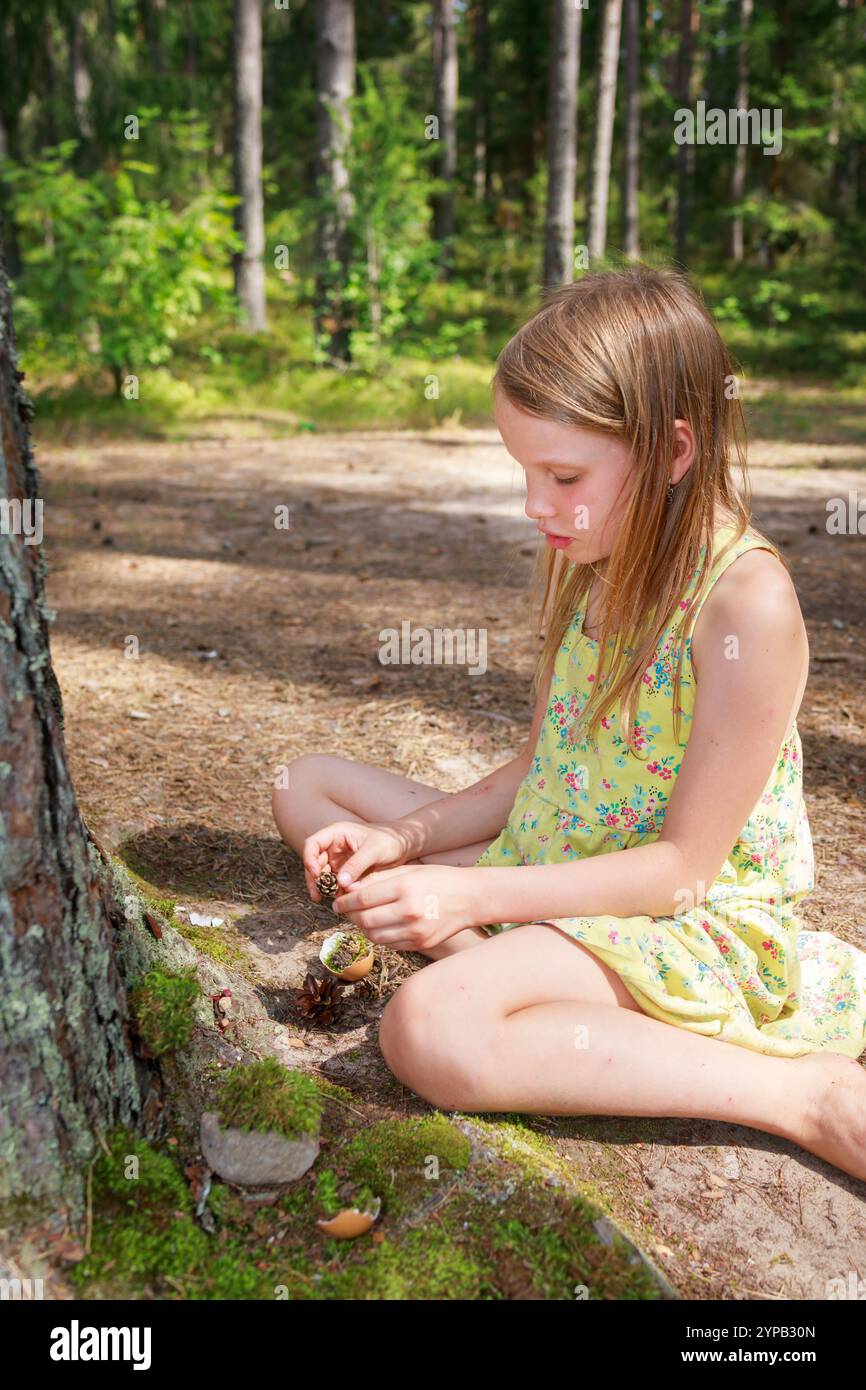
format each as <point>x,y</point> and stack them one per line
<point>353,868</point>
<point>381,925</point>
<point>368,894</point>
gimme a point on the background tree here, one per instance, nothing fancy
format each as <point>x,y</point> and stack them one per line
<point>445,110</point>
<point>335,84</point>
<point>738,172</point>
<point>686,97</point>
<point>606,69</point>
<point>631,129</point>
<point>249,213</point>
<point>67,1073</point>
<point>562,143</point>
<point>481,55</point>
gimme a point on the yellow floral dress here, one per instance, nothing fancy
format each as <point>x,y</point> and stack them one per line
<point>739,966</point>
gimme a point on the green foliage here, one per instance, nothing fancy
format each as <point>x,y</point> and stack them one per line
<point>392,255</point>
<point>265,1096</point>
<point>126,244</point>
<point>162,1005</point>
<point>113,273</point>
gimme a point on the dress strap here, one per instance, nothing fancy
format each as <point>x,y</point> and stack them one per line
<point>724,554</point>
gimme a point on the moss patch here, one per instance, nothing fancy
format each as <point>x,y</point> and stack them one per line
<point>464,1226</point>
<point>224,945</point>
<point>266,1096</point>
<point>162,1007</point>
<point>398,1159</point>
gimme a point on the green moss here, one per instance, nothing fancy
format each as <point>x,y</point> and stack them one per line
<point>264,1095</point>
<point>145,1235</point>
<point>162,1005</point>
<point>393,1158</point>
<point>428,1263</point>
<point>537,1242</point>
<point>145,1209</point>
<point>347,942</point>
<point>220,943</point>
<point>327,1194</point>
<point>332,1091</point>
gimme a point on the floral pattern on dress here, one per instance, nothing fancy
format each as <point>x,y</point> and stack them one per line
<point>739,965</point>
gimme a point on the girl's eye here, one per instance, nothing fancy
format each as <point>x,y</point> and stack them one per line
<point>566,481</point>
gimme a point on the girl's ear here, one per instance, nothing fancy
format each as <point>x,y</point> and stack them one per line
<point>684,450</point>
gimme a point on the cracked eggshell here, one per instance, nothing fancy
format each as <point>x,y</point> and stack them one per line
<point>351,1222</point>
<point>357,970</point>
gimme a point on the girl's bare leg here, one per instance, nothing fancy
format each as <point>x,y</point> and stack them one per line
<point>324,787</point>
<point>526,1028</point>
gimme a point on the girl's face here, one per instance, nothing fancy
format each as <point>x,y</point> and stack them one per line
<point>578,481</point>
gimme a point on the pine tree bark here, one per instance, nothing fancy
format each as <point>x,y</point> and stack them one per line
<point>249,212</point>
<point>67,1073</point>
<point>558,266</point>
<point>335,84</point>
<point>608,64</point>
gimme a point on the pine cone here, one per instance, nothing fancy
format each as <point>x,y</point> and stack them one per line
<point>319,1000</point>
<point>327,885</point>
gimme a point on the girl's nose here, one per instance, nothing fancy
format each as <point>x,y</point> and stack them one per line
<point>538,505</point>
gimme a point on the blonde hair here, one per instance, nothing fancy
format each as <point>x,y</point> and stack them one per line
<point>627,352</point>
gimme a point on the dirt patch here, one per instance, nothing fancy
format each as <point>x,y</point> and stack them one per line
<point>199,646</point>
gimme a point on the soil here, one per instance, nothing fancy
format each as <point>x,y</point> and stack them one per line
<point>200,646</point>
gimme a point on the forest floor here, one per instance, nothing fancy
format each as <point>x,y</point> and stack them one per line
<point>199,647</point>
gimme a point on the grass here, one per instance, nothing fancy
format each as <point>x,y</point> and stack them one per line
<point>245,385</point>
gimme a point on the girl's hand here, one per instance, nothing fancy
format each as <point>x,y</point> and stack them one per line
<point>352,847</point>
<point>414,907</point>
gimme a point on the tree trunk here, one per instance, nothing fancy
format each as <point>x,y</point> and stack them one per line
<point>151,14</point>
<point>631,153</point>
<point>445,108</point>
<point>8,230</point>
<point>335,84</point>
<point>67,1072</point>
<point>481,30</point>
<point>558,266</point>
<point>738,173</point>
<point>608,63</point>
<point>689,21</point>
<point>249,212</point>
<point>79,76</point>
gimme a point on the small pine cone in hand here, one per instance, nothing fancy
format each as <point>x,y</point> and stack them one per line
<point>327,885</point>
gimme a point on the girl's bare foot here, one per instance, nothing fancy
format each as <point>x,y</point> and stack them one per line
<point>834,1124</point>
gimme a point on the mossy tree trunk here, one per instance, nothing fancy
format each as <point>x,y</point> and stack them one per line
<point>67,1072</point>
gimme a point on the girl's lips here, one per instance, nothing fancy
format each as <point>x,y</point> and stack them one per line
<point>561,542</point>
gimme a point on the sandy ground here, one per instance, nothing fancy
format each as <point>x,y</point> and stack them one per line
<point>199,647</point>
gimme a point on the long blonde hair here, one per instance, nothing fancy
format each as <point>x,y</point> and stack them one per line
<point>627,352</point>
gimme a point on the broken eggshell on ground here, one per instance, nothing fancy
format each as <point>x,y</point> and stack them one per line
<point>351,1222</point>
<point>359,967</point>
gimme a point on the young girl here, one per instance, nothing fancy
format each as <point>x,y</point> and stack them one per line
<point>656,813</point>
